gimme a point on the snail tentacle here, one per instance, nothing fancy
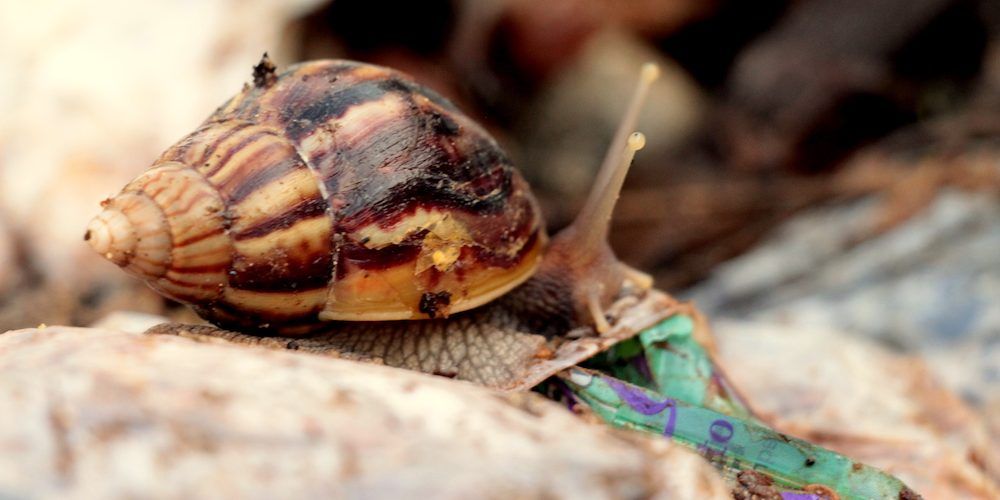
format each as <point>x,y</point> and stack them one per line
<point>580,254</point>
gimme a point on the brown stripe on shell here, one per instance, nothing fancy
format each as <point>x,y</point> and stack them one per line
<point>235,318</point>
<point>305,209</point>
<point>502,237</point>
<point>311,106</point>
<point>243,143</point>
<point>341,150</point>
<point>379,258</point>
<point>490,257</point>
<point>200,146</point>
<point>187,200</point>
<point>186,203</point>
<point>215,231</point>
<point>251,149</point>
<point>205,280</point>
<point>145,268</point>
<point>258,174</point>
<point>401,200</point>
<point>195,213</point>
<point>302,121</point>
<point>296,187</point>
<point>294,89</point>
<point>424,155</point>
<point>264,175</point>
<point>209,253</point>
<point>280,230</point>
<point>387,147</point>
<point>275,306</point>
<point>189,289</point>
<point>195,268</point>
<point>287,276</point>
<point>231,135</point>
<point>217,143</point>
<point>381,160</point>
<point>298,257</point>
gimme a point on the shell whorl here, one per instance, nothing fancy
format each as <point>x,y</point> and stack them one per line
<point>337,191</point>
<point>166,227</point>
<point>132,232</point>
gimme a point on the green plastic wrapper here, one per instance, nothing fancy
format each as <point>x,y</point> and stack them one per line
<point>664,382</point>
<point>667,359</point>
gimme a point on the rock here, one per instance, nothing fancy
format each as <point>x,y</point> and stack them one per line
<point>103,414</point>
<point>927,284</point>
<point>848,394</point>
<point>10,272</point>
<point>96,92</point>
<point>129,321</point>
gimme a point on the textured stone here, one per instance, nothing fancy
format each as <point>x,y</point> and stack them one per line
<point>848,394</point>
<point>93,413</point>
<point>92,95</point>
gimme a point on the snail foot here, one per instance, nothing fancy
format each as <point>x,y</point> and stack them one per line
<point>204,333</point>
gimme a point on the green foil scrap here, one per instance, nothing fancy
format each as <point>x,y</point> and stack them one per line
<point>667,359</point>
<point>664,382</point>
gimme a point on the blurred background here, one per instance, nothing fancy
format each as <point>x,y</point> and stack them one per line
<point>824,165</point>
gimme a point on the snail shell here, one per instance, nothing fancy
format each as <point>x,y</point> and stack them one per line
<point>333,191</point>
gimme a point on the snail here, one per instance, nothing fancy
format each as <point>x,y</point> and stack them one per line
<point>342,207</point>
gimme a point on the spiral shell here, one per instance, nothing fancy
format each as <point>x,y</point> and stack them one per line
<point>334,191</point>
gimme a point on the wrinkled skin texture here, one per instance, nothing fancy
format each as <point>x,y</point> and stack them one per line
<point>494,345</point>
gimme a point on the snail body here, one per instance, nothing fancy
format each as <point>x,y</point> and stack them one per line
<point>341,197</point>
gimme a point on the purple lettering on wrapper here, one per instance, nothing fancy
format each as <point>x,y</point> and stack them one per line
<point>640,402</point>
<point>642,366</point>
<point>721,431</point>
<point>787,495</point>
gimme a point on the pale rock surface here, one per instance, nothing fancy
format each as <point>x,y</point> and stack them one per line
<point>92,413</point>
<point>128,321</point>
<point>929,285</point>
<point>94,91</point>
<point>851,395</point>
<point>10,273</point>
